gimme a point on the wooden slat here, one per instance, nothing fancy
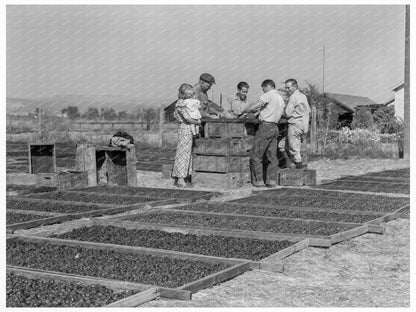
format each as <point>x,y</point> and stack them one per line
<point>202,213</point>
<point>93,213</point>
<point>277,266</point>
<point>62,202</point>
<point>38,222</point>
<point>313,209</point>
<point>287,251</point>
<point>346,235</point>
<point>217,277</point>
<point>319,242</point>
<point>35,212</point>
<point>322,197</point>
<point>137,299</point>
<point>210,231</point>
<point>86,280</point>
<point>391,195</point>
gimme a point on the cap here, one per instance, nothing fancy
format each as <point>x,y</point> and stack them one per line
<point>207,78</point>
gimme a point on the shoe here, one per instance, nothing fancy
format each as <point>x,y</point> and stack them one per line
<point>189,185</point>
<point>270,185</point>
<point>258,185</point>
<point>288,162</point>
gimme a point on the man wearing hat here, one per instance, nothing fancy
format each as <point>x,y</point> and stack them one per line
<point>208,108</point>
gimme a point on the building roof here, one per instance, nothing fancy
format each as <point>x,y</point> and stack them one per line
<point>350,102</point>
<point>398,86</point>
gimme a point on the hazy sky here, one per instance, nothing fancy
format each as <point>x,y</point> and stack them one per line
<point>148,51</point>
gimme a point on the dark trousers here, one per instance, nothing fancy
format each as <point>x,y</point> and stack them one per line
<point>264,147</point>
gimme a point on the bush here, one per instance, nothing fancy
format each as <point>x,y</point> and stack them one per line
<point>386,122</point>
<point>363,119</point>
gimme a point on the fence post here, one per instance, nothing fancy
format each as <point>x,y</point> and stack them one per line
<point>161,122</point>
<point>313,129</point>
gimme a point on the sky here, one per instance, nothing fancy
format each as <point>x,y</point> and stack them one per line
<point>147,52</point>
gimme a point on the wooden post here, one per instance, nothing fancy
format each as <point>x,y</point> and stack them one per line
<point>313,147</point>
<point>406,142</point>
<point>161,122</point>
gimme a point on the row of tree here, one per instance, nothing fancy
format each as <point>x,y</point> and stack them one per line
<point>92,113</point>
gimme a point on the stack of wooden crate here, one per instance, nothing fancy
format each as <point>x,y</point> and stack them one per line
<point>221,157</point>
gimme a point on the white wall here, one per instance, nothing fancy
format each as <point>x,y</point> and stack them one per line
<point>399,103</point>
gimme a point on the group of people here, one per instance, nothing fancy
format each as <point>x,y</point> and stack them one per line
<point>270,108</point>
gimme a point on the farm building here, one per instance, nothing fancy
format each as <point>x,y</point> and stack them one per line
<point>346,106</point>
<point>397,101</point>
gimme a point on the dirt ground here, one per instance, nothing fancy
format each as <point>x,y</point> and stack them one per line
<point>368,271</point>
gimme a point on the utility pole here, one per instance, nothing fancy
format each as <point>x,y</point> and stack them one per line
<point>323,69</point>
<point>406,134</point>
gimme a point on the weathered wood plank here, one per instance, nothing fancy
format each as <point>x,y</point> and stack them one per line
<point>346,235</point>
<point>224,146</point>
<point>136,299</point>
<point>37,213</point>
<point>86,280</point>
<point>39,222</point>
<point>315,209</point>
<point>209,231</point>
<point>319,242</point>
<point>202,213</point>
<point>217,277</point>
<point>287,251</point>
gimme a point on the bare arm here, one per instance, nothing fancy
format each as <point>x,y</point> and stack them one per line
<point>252,107</point>
<point>189,119</point>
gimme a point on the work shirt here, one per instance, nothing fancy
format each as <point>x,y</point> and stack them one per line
<point>207,106</point>
<point>272,106</point>
<point>235,105</point>
<point>298,110</point>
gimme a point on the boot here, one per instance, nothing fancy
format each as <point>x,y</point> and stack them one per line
<point>299,165</point>
<point>288,162</point>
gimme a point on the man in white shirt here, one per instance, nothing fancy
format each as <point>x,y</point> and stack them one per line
<point>297,113</point>
<point>271,106</point>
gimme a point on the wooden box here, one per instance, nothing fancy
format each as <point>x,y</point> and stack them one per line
<point>310,177</point>
<point>108,165</point>
<point>222,180</point>
<point>224,146</point>
<point>42,158</point>
<point>64,180</point>
<point>220,163</point>
<point>297,177</point>
<point>291,177</point>
<point>228,129</point>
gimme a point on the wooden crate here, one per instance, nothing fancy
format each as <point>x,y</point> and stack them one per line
<point>64,180</point>
<point>221,180</point>
<point>297,177</point>
<point>224,146</point>
<point>223,164</point>
<point>120,162</point>
<point>309,177</point>
<point>42,158</point>
<point>228,129</point>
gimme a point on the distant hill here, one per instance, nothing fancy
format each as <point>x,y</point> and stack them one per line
<point>55,104</point>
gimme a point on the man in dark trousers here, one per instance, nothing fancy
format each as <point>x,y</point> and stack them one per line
<point>270,106</point>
